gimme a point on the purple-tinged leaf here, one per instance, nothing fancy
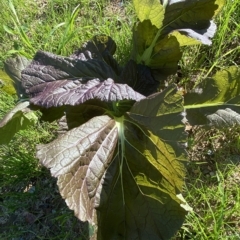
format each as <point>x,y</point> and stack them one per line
<point>101,47</point>
<point>47,67</point>
<point>139,77</point>
<point>68,92</point>
<point>127,189</point>
<point>95,48</point>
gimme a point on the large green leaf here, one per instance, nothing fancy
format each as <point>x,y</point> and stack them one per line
<point>6,83</point>
<point>162,30</point>
<point>149,10</point>
<point>124,174</point>
<point>192,13</point>
<point>190,21</point>
<point>19,118</point>
<point>219,92</point>
<point>163,55</point>
<point>143,197</point>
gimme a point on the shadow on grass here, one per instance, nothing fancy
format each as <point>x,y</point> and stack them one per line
<point>34,209</point>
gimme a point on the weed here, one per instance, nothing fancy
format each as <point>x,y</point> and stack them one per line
<point>216,207</point>
<point>62,26</point>
<point>212,185</point>
<point>30,205</point>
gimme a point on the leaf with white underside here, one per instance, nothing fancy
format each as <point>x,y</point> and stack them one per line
<point>224,118</point>
<point>79,159</point>
<point>191,21</point>
<point>123,174</point>
<point>222,91</point>
<point>162,33</point>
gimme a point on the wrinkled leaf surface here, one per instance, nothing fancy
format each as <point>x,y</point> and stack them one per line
<point>68,92</point>
<point>224,118</point>
<point>220,92</point>
<point>100,47</point>
<point>79,158</point>
<point>123,174</point>
<point>47,67</point>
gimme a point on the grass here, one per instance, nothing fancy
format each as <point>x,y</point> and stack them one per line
<point>212,186</point>
<point>30,205</point>
<point>216,208</point>
<point>199,62</point>
<point>62,26</point>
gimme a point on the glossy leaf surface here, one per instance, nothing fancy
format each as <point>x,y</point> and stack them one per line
<point>79,159</point>
<point>47,67</point>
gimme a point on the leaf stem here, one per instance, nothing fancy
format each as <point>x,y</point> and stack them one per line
<point>193,106</point>
<point>121,144</point>
<point>165,3</point>
<point>146,57</point>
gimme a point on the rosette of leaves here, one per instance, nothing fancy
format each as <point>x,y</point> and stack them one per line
<point>120,166</point>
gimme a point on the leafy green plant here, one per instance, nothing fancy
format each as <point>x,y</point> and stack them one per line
<point>120,166</point>
<point>215,100</point>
